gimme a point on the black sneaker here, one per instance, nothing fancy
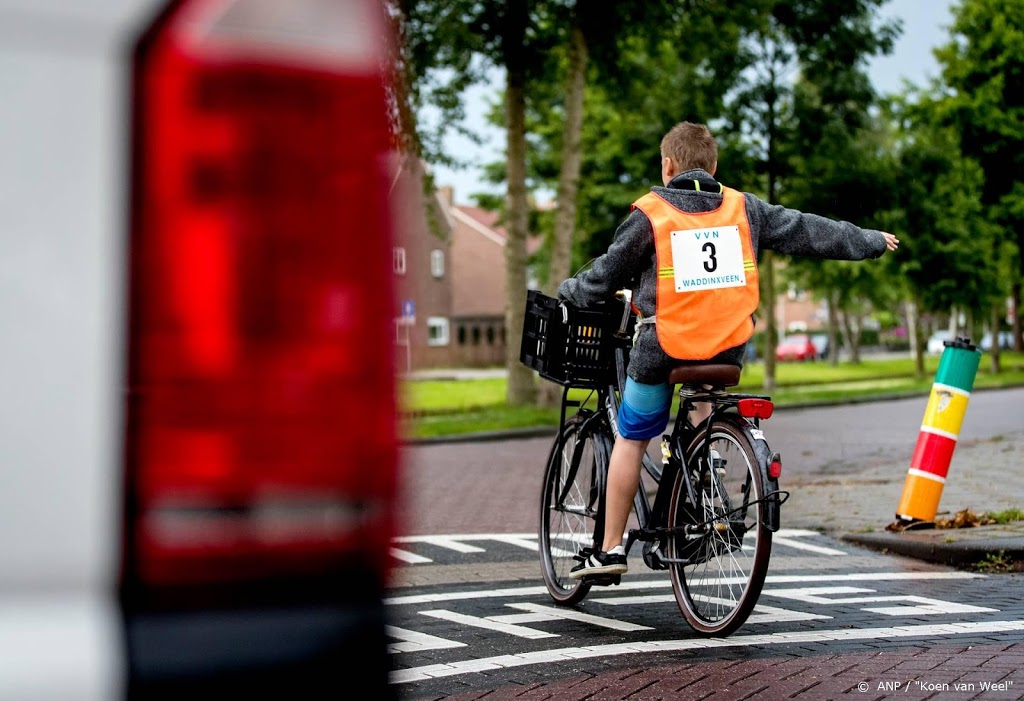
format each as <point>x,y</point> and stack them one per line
<point>598,562</point>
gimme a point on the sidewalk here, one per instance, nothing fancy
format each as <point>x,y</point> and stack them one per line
<point>984,476</point>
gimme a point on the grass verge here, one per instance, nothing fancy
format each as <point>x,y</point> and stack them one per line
<point>436,408</point>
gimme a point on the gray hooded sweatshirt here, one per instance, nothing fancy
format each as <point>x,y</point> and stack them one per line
<point>631,261</point>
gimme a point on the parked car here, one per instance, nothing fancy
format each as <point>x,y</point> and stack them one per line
<point>796,347</point>
<point>1005,341</point>
<point>820,341</point>
<point>937,340</point>
<point>197,430</point>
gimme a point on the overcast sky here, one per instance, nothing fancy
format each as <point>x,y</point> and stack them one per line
<point>925,26</point>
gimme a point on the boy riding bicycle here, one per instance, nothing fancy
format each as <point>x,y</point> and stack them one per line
<point>688,252</point>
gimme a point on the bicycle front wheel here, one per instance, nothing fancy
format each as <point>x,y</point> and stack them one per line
<point>719,547</point>
<point>571,510</point>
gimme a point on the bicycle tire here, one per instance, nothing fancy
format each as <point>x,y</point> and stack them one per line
<point>728,561</point>
<point>572,508</point>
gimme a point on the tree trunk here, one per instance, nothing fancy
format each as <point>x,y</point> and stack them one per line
<point>569,177</point>
<point>851,333</point>
<point>767,266</point>
<point>996,318</point>
<point>914,331</point>
<point>833,327</point>
<point>521,380</point>
<point>1018,342</point>
<point>771,339</point>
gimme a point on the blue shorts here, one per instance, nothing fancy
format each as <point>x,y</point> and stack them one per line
<point>644,410</point>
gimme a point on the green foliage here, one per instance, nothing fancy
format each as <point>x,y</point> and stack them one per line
<point>949,243</point>
<point>983,80</point>
<point>996,562</point>
<point>1006,516</point>
<point>784,87</point>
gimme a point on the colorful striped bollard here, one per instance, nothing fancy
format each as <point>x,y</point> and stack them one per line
<point>943,416</point>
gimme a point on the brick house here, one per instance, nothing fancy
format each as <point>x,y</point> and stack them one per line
<point>423,299</point>
<point>478,285</point>
<point>449,261</point>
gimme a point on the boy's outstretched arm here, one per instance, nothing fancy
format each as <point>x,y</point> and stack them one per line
<point>796,233</point>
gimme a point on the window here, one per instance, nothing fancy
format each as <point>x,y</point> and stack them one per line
<point>437,262</point>
<point>398,260</point>
<point>437,331</point>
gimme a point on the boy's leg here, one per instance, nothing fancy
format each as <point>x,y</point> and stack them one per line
<point>623,481</point>
<point>643,414</point>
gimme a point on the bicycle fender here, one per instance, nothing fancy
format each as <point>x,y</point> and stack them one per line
<point>773,505</point>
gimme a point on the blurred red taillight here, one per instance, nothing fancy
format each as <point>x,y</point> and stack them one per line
<point>261,436</point>
<point>753,408</point>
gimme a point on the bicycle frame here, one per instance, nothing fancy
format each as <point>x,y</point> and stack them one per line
<point>652,517</point>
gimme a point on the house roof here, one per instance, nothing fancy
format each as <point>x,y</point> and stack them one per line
<point>484,219</point>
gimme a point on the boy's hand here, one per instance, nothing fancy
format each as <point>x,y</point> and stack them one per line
<point>891,242</point>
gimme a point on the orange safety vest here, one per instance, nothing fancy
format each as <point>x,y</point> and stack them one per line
<point>707,276</point>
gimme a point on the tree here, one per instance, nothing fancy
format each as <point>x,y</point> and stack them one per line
<point>817,41</point>
<point>842,168</point>
<point>983,73</point>
<point>449,45</point>
<point>639,83</point>
<point>947,253</point>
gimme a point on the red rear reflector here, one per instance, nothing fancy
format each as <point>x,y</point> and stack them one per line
<point>755,408</point>
<point>775,469</point>
<point>261,393</point>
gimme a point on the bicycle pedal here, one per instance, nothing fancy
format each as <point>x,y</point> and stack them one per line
<point>602,580</point>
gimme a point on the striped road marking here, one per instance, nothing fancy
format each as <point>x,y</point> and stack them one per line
<point>664,582</point>
<point>435,671</point>
<point>786,537</point>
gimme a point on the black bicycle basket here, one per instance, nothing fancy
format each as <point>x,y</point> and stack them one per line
<point>575,348</point>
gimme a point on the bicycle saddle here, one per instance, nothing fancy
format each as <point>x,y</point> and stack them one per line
<point>714,375</point>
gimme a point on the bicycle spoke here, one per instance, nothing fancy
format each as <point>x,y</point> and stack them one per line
<point>569,507</point>
<point>717,577</point>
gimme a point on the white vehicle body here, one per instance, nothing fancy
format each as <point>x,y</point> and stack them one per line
<point>65,126</point>
<point>64,74</point>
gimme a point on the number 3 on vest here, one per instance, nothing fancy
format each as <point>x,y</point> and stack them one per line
<point>707,259</point>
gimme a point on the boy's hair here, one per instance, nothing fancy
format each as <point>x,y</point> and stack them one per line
<point>690,146</point>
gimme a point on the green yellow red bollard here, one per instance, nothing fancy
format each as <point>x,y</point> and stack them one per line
<point>940,429</point>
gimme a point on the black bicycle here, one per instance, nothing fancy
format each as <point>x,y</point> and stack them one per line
<point>717,499</point>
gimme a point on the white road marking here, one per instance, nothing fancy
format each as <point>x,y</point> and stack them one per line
<point>665,582</point>
<point>799,545</point>
<point>435,671</point>
<point>488,624</point>
<point>530,541</point>
<point>413,641</point>
<point>408,557</point>
<point>761,613</point>
<point>553,613</point>
<point>451,542</point>
<point>927,606</point>
<point>462,537</point>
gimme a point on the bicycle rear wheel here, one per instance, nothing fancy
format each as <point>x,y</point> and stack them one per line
<point>720,546</point>
<point>571,510</point>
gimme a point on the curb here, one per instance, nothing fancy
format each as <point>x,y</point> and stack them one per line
<point>945,546</point>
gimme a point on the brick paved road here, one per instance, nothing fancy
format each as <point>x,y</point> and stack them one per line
<point>470,618</point>
<point>475,623</point>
